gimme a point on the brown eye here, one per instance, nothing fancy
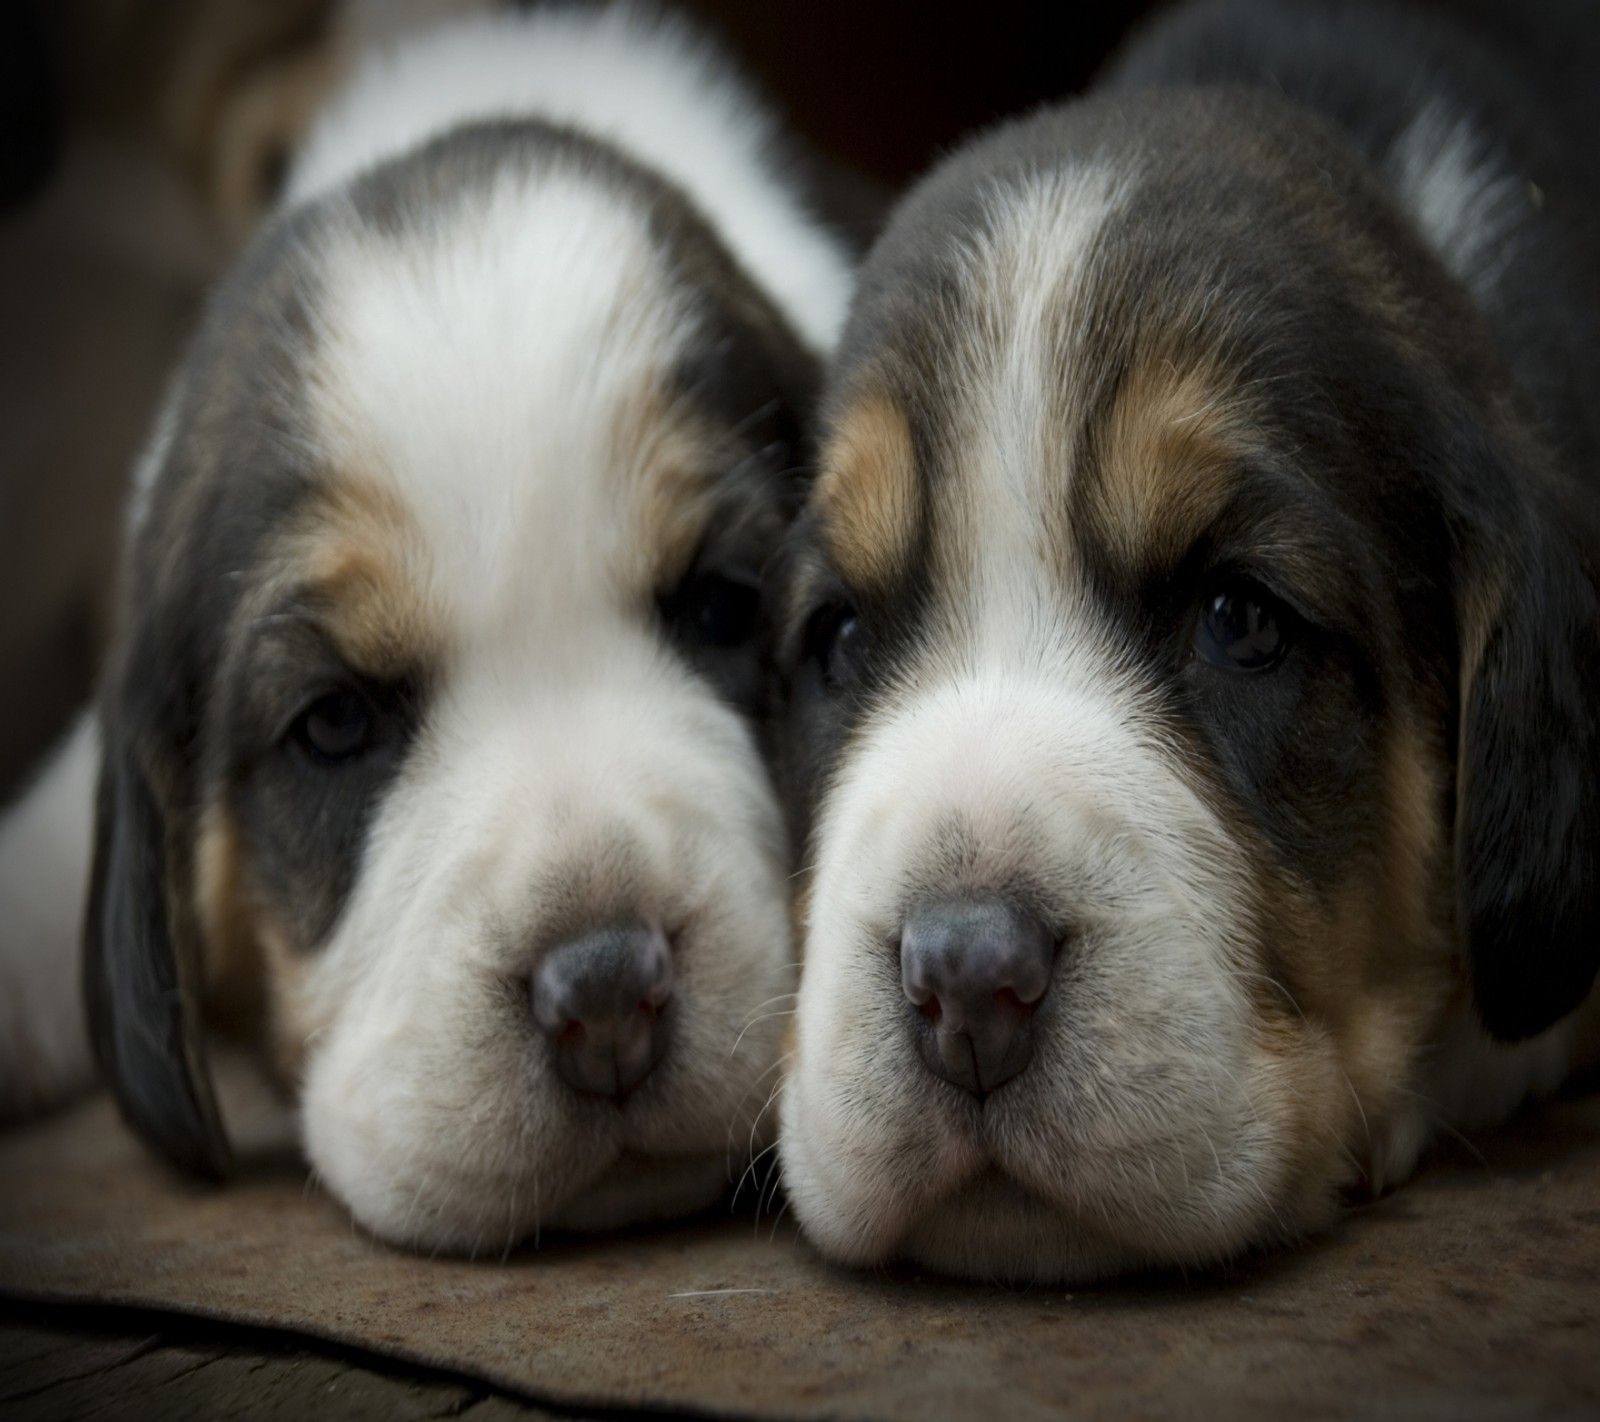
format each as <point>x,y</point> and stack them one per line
<point>1242,627</point>
<point>337,727</point>
<point>838,645</point>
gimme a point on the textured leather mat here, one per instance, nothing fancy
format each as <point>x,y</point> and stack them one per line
<point>1474,1292</point>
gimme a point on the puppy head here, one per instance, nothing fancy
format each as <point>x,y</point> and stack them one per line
<point>432,725</point>
<point>1155,637</point>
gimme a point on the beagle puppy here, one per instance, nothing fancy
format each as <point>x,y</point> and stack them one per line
<point>1192,649</point>
<point>431,758</point>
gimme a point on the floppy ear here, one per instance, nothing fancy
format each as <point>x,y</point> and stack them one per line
<point>1528,790</point>
<point>142,972</point>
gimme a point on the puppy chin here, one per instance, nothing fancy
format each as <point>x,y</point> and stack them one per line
<point>992,1231</point>
<point>469,1166</point>
<point>469,1207</point>
<point>963,1216</point>
<point>856,1205</point>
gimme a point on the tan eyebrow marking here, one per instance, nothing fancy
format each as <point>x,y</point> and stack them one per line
<point>663,451</point>
<point>1168,451</point>
<point>359,552</point>
<point>867,492</point>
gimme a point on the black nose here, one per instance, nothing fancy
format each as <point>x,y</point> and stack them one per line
<point>975,969</point>
<point>600,1000</point>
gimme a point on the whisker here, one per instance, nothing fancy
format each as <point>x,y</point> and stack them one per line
<point>755,1086</point>
<point>765,1017</point>
<point>750,1170</point>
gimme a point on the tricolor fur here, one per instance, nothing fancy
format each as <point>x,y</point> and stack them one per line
<point>443,644</point>
<point>1195,630</point>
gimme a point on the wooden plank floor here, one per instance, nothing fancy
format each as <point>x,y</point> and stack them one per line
<point>103,1365</point>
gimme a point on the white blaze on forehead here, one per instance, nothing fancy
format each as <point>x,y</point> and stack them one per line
<point>1015,435</point>
<point>483,369</point>
<point>1012,630</point>
<point>619,74</point>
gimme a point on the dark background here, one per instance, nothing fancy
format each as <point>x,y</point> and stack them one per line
<point>884,87</point>
<point>141,139</point>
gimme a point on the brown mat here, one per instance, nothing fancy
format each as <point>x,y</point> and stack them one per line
<point>1473,1292</point>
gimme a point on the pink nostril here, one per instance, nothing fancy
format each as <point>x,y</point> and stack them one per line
<point>1008,998</point>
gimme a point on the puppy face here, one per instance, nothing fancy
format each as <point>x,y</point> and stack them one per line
<point>1136,631</point>
<point>434,721</point>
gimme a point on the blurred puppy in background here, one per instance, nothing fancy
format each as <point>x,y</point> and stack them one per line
<point>429,755</point>
<point>1193,650</point>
